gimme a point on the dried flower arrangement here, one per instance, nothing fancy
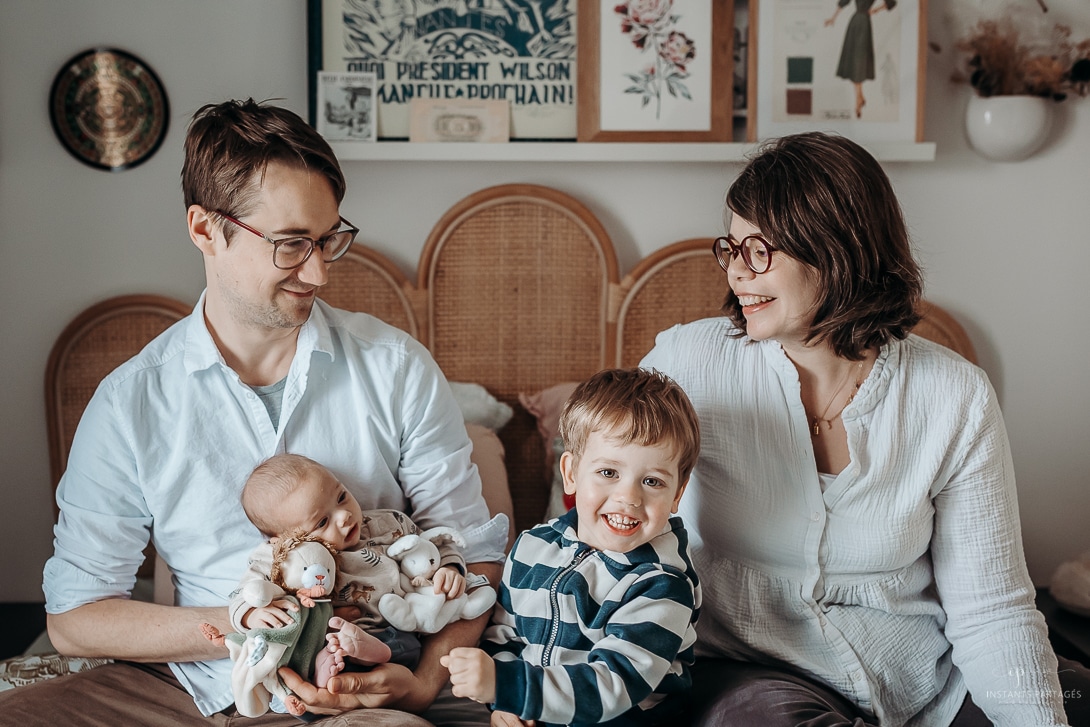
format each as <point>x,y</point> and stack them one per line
<point>1001,61</point>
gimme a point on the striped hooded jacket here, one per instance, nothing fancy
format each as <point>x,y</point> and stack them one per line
<point>584,636</point>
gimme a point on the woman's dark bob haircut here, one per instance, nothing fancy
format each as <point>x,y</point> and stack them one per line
<point>825,201</point>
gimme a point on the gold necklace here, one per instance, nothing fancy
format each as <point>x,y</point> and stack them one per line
<point>816,422</point>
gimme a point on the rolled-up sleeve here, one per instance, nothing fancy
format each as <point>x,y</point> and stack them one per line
<point>104,523</point>
<point>436,473</point>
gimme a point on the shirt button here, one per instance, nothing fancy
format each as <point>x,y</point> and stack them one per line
<point>816,516</point>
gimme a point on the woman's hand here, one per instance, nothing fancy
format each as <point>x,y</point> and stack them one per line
<point>386,685</point>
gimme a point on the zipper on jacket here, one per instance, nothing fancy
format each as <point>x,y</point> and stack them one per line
<point>554,603</point>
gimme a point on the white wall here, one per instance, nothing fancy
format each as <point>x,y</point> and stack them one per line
<point>72,235</point>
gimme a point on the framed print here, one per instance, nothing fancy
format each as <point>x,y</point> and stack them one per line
<point>474,121</point>
<point>520,51</point>
<point>655,70</point>
<point>346,106</point>
<point>854,67</point>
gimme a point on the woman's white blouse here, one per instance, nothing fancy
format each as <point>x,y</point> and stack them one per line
<point>900,584</point>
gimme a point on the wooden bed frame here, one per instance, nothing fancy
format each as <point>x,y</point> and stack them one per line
<point>518,289</point>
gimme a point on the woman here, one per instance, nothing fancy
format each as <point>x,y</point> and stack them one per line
<point>857,55</point>
<point>853,512</point>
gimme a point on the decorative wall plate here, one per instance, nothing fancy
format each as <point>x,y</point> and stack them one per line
<point>108,109</point>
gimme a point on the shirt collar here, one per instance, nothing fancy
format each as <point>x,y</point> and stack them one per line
<point>874,386</point>
<point>201,352</point>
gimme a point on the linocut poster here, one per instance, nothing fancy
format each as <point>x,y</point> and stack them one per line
<point>521,51</point>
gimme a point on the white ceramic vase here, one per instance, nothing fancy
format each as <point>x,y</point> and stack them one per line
<point>1008,128</point>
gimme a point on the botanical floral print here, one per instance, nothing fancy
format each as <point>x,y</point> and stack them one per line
<point>649,24</point>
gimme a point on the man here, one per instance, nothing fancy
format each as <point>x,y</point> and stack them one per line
<point>259,368</point>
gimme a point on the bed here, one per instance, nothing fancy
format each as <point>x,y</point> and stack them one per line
<point>518,294</point>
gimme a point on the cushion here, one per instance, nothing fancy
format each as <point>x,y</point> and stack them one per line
<point>546,407</point>
<point>559,501</point>
<point>1070,585</point>
<point>488,455</point>
<point>480,407</point>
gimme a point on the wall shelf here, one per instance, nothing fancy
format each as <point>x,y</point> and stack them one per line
<point>567,151</point>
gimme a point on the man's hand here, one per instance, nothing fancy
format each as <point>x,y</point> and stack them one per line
<point>449,581</point>
<point>386,685</point>
<point>472,674</point>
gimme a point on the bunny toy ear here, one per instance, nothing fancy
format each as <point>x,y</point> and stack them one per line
<point>436,535</point>
<point>402,545</point>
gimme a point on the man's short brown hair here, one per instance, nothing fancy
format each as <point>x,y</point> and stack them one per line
<point>230,145</point>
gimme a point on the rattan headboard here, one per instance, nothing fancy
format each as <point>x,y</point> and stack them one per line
<point>517,290</point>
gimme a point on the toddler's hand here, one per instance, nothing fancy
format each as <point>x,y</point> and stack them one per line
<point>472,674</point>
<point>448,580</point>
<point>509,719</point>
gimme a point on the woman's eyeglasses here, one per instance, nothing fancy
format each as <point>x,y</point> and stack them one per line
<point>756,252</point>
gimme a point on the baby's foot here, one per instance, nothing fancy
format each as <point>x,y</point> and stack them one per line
<point>213,634</point>
<point>328,662</point>
<point>357,643</point>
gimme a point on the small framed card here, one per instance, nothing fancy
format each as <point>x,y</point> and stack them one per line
<point>346,105</point>
<point>475,121</point>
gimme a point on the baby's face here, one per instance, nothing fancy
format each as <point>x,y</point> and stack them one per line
<point>624,493</point>
<point>322,506</point>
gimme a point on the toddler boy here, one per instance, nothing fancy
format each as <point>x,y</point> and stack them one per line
<point>597,608</point>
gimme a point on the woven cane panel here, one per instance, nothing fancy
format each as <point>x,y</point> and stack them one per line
<point>518,302</point>
<point>84,357</point>
<point>939,326</point>
<point>93,345</point>
<point>678,284</point>
<point>364,281</point>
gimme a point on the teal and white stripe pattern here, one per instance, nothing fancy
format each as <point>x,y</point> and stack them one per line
<point>583,636</point>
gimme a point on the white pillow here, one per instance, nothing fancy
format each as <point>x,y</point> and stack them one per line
<point>480,407</point>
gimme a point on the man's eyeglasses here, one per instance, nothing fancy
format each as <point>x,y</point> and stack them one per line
<point>291,252</point>
<point>756,252</point>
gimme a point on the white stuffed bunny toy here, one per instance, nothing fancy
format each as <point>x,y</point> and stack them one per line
<point>421,609</point>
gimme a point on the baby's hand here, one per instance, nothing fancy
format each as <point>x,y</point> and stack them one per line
<point>272,616</point>
<point>472,674</point>
<point>448,580</point>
